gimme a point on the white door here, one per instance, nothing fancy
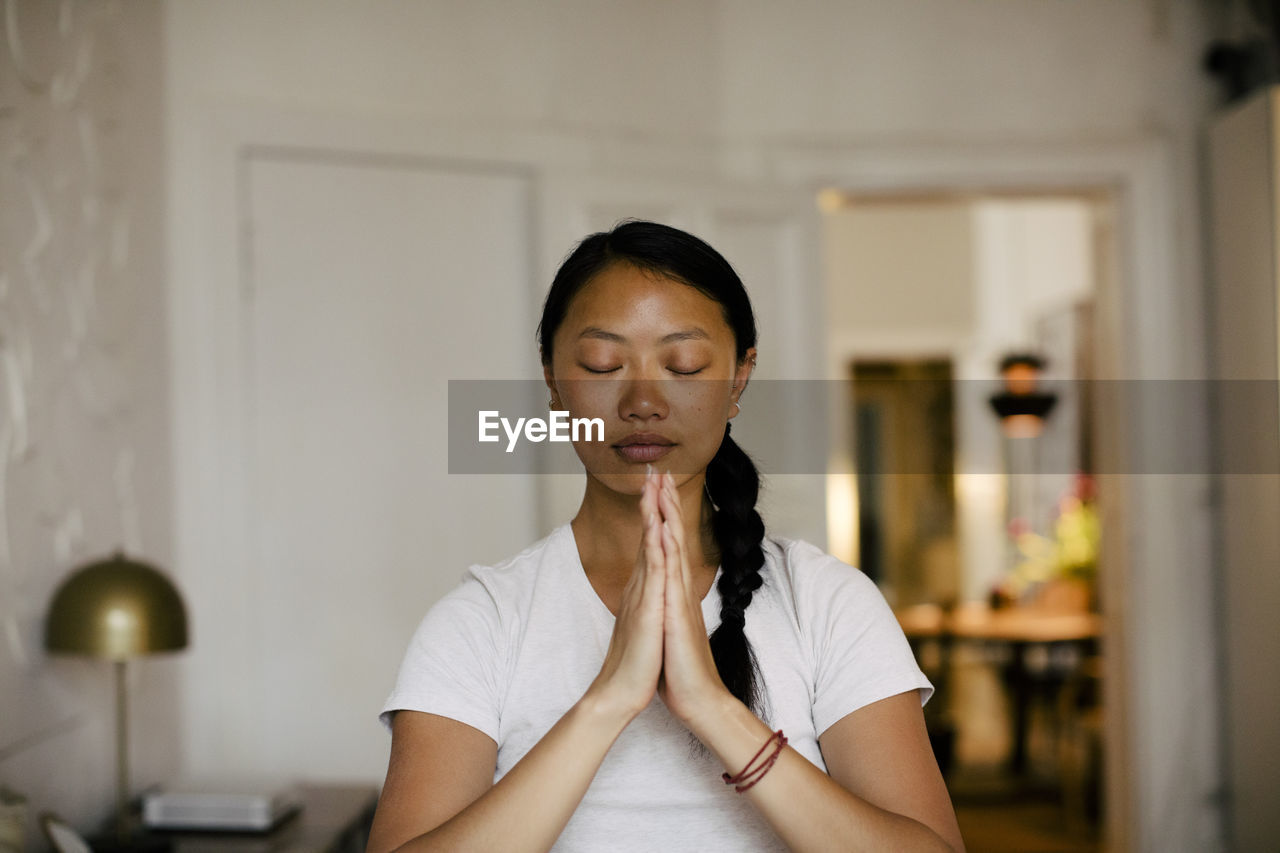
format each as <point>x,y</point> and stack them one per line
<point>367,283</point>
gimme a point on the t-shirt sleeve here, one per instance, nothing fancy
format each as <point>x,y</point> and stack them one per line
<point>453,662</point>
<point>860,653</point>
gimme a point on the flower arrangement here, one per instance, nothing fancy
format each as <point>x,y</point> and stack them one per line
<point>1071,553</point>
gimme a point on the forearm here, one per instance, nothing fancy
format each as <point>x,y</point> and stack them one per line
<point>806,808</point>
<point>528,808</point>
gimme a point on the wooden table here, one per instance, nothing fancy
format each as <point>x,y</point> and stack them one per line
<point>1018,628</point>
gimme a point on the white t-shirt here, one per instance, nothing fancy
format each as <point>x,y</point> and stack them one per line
<point>515,645</point>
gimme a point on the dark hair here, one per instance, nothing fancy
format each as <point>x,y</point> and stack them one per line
<point>733,484</point>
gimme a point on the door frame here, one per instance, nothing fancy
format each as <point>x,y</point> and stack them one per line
<point>1159,572</point>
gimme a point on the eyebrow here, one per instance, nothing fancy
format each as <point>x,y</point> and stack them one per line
<point>597,333</point>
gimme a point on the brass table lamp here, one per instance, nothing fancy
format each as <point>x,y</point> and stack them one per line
<point>117,609</point>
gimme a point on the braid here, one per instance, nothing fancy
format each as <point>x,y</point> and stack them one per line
<point>733,485</point>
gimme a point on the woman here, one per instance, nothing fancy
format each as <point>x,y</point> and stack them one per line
<point>570,698</point>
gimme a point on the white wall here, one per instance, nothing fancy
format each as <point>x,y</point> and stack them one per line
<point>925,70</point>
<point>84,407</point>
<point>588,66</point>
<point>898,278</point>
<point>739,70</point>
<point>682,91</point>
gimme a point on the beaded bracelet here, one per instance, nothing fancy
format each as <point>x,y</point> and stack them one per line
<point>757,773</point>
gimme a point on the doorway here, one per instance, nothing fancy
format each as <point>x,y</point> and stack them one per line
<point>925,295</point>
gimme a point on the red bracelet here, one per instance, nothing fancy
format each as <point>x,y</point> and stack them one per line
<point>763,769</point>
<point>757,773</point>
<point>729,780</point>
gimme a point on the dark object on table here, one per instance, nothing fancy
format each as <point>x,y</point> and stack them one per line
<point>332,819</point>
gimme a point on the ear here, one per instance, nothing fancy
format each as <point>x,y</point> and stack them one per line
<point>743,374</point>
<point>551,384</point>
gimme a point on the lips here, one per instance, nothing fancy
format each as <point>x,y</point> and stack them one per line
<point>643,447</point>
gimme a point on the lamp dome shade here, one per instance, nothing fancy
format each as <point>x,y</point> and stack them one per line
<point>117,608</point>
<point>1036,404</point>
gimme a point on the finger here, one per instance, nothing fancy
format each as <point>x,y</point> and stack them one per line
<point>669,504</point>
<point>641,586</point>
<point>654,589</point>
<point>646,498</point>
<point>676,604</point>
<point>668,487</point>
<point>633,592</point>
<point>655,553</point>
<point>647,579</point>
<point>672,513</point>
<point>649,498</point>
<point>648,513</point>
<point>661,512</point>
<point>683,620</point>
<point>672,549</point>
<point>648,519</point>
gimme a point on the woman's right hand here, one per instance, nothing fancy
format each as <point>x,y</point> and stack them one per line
<point>628,678</point>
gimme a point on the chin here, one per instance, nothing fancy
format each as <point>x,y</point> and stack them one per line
<point>628,477</point>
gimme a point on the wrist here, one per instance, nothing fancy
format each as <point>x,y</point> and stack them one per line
<point>605,708</point>
<point>711,711</point>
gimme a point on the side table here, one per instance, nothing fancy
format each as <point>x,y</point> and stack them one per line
<point>333,819</point>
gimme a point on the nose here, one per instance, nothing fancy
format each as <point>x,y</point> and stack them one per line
<point>642,398</point>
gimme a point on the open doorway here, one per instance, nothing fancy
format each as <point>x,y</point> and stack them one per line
<point>904,458</point>
<point>983,538</point>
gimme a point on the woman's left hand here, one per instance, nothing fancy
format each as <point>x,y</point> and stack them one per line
<point>690,684</point>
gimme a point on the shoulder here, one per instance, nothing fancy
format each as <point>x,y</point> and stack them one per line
<point>812,572</point>
<point>510,580</point>
<point>483,611</point>
<point>858,652</point>
<point>492,598</point>
<point>827,595</point>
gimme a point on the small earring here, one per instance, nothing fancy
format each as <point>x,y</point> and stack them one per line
<point>707,489</point>
<point>739,408</point>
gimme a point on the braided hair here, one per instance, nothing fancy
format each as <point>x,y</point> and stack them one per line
<point>733,485</point>
<point>732,482</point>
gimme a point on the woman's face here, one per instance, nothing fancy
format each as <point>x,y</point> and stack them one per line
<point>656,361</point>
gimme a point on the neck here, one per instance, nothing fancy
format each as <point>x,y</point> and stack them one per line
<point>608,529</point>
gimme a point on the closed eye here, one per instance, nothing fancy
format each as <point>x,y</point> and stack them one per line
<point>686,372</point>
<point>594,370</point>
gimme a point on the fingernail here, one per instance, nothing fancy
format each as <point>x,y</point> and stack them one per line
<point>648,470</point>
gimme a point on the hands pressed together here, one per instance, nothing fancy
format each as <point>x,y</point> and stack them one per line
<point>659,640</point>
